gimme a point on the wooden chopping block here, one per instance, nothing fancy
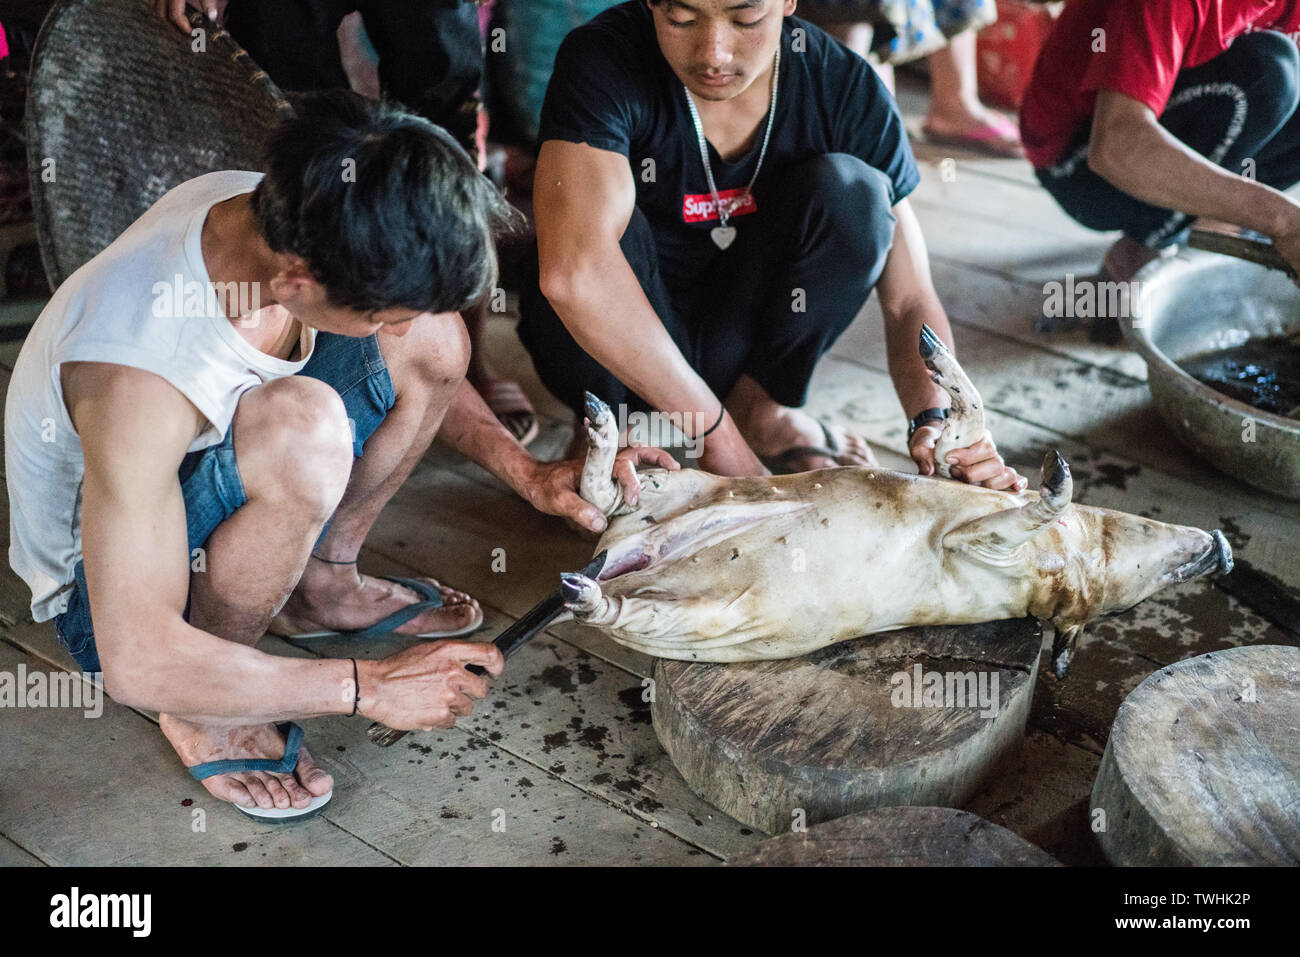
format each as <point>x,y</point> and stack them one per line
<point>899,837</point>
<point>838,731</point>
<point>1203,764</point>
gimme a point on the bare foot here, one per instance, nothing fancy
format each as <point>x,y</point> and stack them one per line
<point>974,125</point>
<point>771,433</point>
<point>340,598</point>
<point>197,744</point>
<point>1125,257</point>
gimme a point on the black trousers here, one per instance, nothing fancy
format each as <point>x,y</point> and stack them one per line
<point>1236,110</point>
<point>430,51</point>
<point>769,306</point>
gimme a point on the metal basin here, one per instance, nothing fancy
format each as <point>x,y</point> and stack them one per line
<point>1198,302</point>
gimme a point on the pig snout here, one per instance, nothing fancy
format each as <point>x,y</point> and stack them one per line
<point>1143,556</point>
<point>1224,552</point>
<point>1216,560</point>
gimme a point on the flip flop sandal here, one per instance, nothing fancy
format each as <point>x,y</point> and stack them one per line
<point>430,598</point>
<point>992,139</point>
<point>276,815</point>
<point>513,410</point>
<point>784,463</point>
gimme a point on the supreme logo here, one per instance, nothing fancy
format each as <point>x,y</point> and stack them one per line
<point>699,207</point>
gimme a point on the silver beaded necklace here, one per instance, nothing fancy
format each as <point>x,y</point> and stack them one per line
<point>724,234</point>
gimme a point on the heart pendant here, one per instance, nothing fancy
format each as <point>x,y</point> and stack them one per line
<point>723,236</point>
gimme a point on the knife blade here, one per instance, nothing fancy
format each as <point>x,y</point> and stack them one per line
<point>509,641</point>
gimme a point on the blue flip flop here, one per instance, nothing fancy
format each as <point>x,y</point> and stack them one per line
<point>285,765</point>
<point>430,598</point>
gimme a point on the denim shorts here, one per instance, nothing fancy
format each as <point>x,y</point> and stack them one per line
<point>210,480</point>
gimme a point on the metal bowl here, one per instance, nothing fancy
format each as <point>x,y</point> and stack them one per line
<point>1199,302</point>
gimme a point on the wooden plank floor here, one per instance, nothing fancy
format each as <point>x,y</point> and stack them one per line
<point>562,751</point>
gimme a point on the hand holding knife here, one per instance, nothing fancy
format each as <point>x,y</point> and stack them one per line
<point>509,641</point>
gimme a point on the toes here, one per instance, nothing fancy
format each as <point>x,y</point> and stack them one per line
<point>276,789</point>
<point>446,618</point>
<point>450,596</point>
<point>298,795</point>
<point>228,788</point>
<point>257,790</point>
<point>313,778</point>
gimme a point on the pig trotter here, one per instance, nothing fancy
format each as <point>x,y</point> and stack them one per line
<point>998,536</point>
<point>597,485</point>
<point>582,595</point>
<point>1058,486</point>
<point>598,412</point>
<point>1063,648</point>
<point>965,423</point>
<point>930,344</point>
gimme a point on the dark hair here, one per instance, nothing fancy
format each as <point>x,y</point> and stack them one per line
<point>385,208</point>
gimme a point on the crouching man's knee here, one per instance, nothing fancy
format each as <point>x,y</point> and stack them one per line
<point>852,205</point>
<point>293,441</point>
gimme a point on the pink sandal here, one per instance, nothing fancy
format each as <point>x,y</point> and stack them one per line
<point>1000,138</point>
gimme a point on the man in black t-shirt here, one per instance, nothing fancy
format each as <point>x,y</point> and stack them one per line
<point>719,188</point>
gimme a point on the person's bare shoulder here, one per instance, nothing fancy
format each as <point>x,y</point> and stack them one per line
<point>111,404</point>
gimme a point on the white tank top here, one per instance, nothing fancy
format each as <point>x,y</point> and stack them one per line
<point>146,301</point>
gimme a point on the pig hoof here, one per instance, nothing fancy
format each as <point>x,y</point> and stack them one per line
<point>1063,646</point>
<point>581,594</point>
<point>598,412</point>
<point>1056,476</point>
<point>1061,664</point>
<point>931,345</point>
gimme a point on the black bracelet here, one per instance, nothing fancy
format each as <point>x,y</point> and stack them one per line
<point>928,415</point>
<point>329,561</point>
<point>356,688</point>
<point>721,412</point>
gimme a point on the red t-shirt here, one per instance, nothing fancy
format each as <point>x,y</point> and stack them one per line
<point>1144,45</point>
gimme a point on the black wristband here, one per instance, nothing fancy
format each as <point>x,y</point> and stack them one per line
<point>721,412</point>
<point>928,415</point>
<point>356,689</point>
<point>330,561</point>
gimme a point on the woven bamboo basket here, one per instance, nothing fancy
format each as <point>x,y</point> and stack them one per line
<point>122,107</point>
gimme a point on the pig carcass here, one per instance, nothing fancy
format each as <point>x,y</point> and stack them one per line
<point>710,568</point>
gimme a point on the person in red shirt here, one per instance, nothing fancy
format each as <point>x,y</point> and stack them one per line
<point>1143,115</point>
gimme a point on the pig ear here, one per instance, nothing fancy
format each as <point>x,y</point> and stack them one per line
<point>996,537</point>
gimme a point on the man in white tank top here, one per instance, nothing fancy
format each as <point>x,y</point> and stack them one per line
<point>203,426</point>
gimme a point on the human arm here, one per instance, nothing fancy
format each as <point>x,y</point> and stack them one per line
<point>583,198</point>
<point>135,428</point>
<point>1131,150</point>
<point>551,487</point>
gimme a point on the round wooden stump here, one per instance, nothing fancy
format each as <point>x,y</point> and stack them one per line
<point>849,727</point>
<point>900,837</point>
<point>1203,763</point>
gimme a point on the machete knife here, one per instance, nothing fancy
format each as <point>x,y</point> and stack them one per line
<point>509,641</point>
